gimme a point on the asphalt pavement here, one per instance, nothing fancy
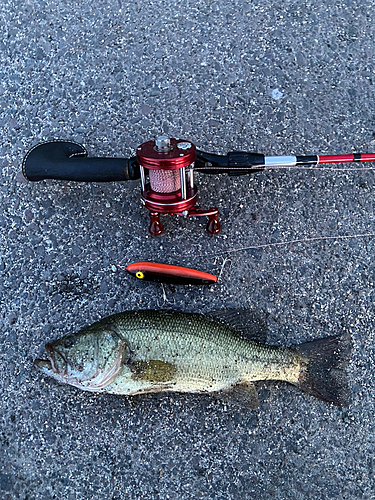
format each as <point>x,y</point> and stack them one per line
<point>276,77</point>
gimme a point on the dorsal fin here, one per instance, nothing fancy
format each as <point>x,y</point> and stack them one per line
<point>246,322</point>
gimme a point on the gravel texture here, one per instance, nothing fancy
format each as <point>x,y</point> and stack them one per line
<point>278,77</point>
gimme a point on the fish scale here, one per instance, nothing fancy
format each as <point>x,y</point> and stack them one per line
<point>208,355</point>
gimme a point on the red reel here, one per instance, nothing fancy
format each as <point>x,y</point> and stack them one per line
<point>167,178</point>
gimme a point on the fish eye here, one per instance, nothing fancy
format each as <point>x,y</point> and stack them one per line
<point>70,341</point>
<point>140,275</point>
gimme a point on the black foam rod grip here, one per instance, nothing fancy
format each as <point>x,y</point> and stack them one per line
<point>68,161</point>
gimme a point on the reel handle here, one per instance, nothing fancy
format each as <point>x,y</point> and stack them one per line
<point>68,161</point>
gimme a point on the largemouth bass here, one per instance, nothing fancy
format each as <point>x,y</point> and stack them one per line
<point>148,351</point>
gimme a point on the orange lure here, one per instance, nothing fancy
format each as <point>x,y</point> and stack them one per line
<point>154,271</point>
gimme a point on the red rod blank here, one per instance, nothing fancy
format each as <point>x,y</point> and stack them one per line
<point>367,156</point>
<point>346,158</point>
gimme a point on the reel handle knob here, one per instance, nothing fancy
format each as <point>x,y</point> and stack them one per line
<point>156,228</point>
<point>213,225</point>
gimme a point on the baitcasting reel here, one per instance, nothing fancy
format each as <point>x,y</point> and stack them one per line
<point>170,188</point>
<point>166,168</point>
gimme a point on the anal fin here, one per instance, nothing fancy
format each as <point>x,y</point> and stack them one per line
<point>244,395</point>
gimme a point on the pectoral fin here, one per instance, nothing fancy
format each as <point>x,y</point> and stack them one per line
<point>153,371</point>
<point>244,395</point>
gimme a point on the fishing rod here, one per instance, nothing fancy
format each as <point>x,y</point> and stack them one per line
<point>165,167</point>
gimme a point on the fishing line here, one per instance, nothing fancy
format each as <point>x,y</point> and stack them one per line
<point>296,167</point>
<point>306,240</point>
<point>300,240</point>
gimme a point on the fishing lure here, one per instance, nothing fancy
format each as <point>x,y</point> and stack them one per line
<point>154,271</point>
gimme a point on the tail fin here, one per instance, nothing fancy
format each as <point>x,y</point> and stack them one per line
<point>322,373</point>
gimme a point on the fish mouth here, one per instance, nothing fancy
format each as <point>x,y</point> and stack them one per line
<point>56,358</point>
<point>50,365</point>
<point>56,366</point>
